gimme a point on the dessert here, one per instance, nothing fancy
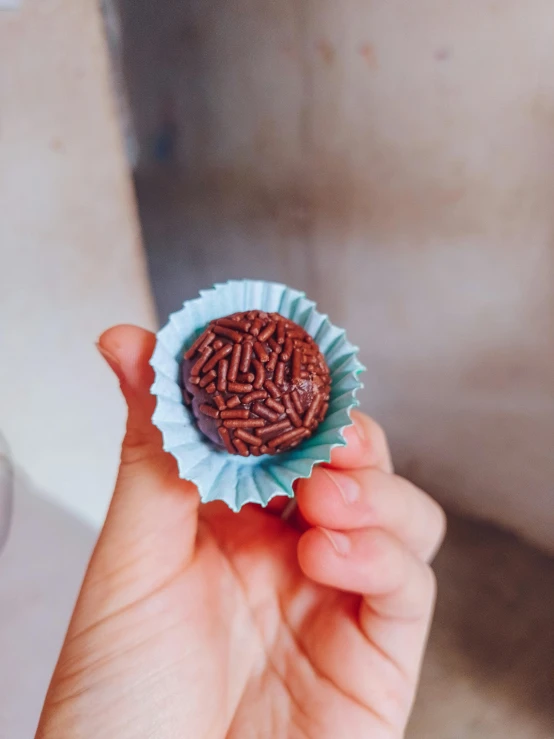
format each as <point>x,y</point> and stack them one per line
<point>256,383</point>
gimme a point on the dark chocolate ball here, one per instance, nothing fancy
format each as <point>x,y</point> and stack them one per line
<point>256,382</point>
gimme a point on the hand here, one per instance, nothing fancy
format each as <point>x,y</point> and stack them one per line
<point>197,623</point>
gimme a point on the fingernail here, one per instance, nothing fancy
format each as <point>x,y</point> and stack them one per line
<point>348,487</point>
<point>340,541</point>
<point>112,360</point>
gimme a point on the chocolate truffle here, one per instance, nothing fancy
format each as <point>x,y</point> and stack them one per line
<point>256,382</point>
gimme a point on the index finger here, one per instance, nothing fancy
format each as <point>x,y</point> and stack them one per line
<point>366,446</point>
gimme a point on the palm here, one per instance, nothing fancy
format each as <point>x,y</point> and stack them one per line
<point>236,644</point>
<point>292,648</point>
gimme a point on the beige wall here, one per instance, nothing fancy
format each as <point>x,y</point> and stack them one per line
<point>71,257</point>
<point>396,160</point>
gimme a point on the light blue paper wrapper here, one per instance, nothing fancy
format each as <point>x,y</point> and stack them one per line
<point>234,479</point>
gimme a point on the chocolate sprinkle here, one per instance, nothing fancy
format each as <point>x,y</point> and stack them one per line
<point>259,348</point>
<point>204,356</point>
<point>225,436</point>
<point>260,374</point>
<point>243,413</point>
<point>238,387</point>
<point>247,377</point>
<point>207,341</point>
<point>196,345</point>
<point>246,356</point>
<point>273,429</point>
<point>281,332</point>
<point>241,447</point>
<point>219,401</point>
<point>270,366</point>
<point>209,410</point>
<point>251,423</point>
<point>229,333</point>
<point>264,412</point>
<point>287,437</point>
<point>255,395</point>
<point>274,346</point>
<point>312,410</point>
<point>248,438</point>
<point>279,376</point>
<point>208,377</point>
<point>287,351</point>
<point>234,364</point>
<point>275,406</point>
<point>233,401</point>
<point>272,389</point>
<point>220,354</point>
<point>291,411</point>
<point>296,401</point>
<point>256,383</point>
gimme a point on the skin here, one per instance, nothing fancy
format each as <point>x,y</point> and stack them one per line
<point>195,622</point>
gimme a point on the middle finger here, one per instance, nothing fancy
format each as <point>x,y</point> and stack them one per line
<point>371,498</point>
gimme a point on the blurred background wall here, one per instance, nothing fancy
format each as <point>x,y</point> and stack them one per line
<point>72,260</point>
<point>396,161</point>
<point>392,158</point>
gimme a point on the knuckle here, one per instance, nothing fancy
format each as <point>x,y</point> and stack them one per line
<point>385,558</point>
<point>438,530</point>
<point>377,544</point>
<point>137,446</point>
<point>375,433</point>
<point>135,438</point>
<point>429,584</point>
<point>397,696</point>
<point>442,524</point>
<point>423,594</point>
<point>443,521</point>
<point>378,445</point>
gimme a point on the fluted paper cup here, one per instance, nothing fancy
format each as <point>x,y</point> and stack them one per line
<point>231,478</point>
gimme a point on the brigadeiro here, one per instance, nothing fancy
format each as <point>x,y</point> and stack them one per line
<point>257,383</point>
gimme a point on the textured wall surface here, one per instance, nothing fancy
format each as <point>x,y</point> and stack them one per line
<point>396,160</point>
<point>71,255</point>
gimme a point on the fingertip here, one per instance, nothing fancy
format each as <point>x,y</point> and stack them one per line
<point>366,445</point>
<point>124,339</point>
<point>308,548</point>
<point>128,349</point>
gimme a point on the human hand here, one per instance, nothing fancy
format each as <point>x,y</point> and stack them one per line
<point>198,623</point>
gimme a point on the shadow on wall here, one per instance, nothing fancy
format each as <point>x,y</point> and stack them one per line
<point>488,670</point>
<point>321,145</point>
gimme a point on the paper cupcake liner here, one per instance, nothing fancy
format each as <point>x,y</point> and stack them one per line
<point>234,479</point>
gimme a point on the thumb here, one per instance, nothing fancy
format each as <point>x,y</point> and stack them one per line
<point>152,519</point>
